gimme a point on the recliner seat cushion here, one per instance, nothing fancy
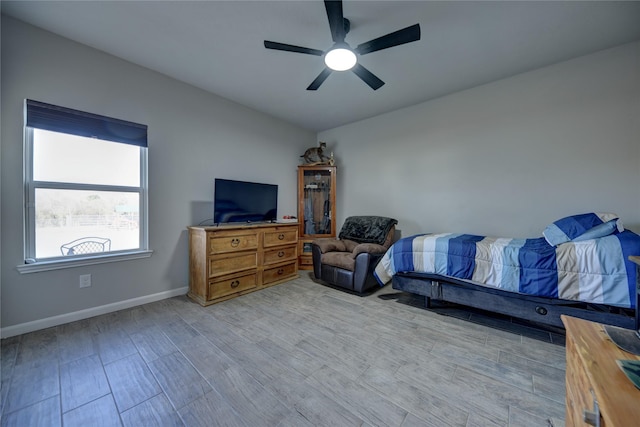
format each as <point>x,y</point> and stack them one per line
<point>339,259</point>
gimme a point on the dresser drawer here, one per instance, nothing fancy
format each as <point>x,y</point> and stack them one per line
<point>273,256</point>
<point>233,243</point>
<point>280,237</point>
<point>221,266</point>
<point>221,288</point>
<point>277,273</point>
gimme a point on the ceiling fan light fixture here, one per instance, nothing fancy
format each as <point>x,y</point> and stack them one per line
<point>340,59</point>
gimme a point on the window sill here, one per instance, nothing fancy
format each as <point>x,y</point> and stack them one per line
<point>60,264</point>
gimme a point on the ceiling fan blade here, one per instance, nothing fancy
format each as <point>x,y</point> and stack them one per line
<point>368,77</point>
<point>320,79</point>
<point>406,35</point>
<point>336,19</point>
<point>292,48</point>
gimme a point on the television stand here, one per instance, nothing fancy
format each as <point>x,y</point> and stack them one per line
<point>226,262</point>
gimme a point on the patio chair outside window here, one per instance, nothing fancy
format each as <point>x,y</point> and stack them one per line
<point>86,245</point>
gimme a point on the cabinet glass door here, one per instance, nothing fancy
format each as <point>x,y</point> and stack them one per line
<point>316,208</point>
<point>317,205</point>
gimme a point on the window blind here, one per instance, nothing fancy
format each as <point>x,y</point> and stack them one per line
<point>66,120</point>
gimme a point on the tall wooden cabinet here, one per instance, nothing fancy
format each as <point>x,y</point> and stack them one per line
<point>316,208</point>
<point>228,261</point>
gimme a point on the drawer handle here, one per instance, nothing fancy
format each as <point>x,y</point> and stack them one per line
<point>280,254</point>
<point>280,271</point>
<point>235,243</point>
<point>235,284</point>
<point>591,418</point>
<point>280,236</point>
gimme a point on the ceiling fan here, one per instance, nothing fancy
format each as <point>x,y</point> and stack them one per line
<point>341,57</point>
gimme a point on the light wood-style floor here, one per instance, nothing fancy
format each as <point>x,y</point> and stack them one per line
<point>296,354</point>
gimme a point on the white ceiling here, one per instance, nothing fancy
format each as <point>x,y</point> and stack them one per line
<point>218,46</point>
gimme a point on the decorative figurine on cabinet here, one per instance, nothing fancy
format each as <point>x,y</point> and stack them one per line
<point>314,156</point>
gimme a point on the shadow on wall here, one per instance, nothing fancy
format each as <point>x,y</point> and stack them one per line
<point>631,226</point>
<point>201,212</point>
<point>177,271</point>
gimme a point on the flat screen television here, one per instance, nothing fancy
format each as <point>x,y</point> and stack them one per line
<point>240,201</point>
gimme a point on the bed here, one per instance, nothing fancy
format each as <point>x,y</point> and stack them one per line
<point>580,267</point>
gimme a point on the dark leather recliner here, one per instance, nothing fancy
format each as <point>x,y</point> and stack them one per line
<point>349,261</point>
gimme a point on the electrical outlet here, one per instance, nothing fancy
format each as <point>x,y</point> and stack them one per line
<point>85,280</point>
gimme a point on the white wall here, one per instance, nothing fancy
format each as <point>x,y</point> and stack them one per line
<point>193,137</point>
<point>502,159</point>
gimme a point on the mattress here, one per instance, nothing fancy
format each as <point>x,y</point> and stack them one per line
<point>594,270</point>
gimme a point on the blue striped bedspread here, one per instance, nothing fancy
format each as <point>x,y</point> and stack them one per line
<point>595,271</point>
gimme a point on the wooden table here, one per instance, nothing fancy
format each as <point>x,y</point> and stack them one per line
<point>593,376</point>
<point>594,381</point>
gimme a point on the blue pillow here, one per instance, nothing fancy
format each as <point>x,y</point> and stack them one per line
<point>576,228</point>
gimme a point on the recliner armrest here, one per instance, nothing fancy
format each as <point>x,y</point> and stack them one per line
<point>370,248</point>
<point>330,245</point>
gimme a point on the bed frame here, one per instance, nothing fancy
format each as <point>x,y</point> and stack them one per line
<point>545,311</point>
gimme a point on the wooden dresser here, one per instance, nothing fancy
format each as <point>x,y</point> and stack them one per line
<point>227,261</point>
<point>594,376</point>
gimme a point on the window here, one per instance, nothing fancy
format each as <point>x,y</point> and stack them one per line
<point>85,185</point>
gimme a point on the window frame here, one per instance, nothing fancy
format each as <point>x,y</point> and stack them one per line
<point>32,264</point>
